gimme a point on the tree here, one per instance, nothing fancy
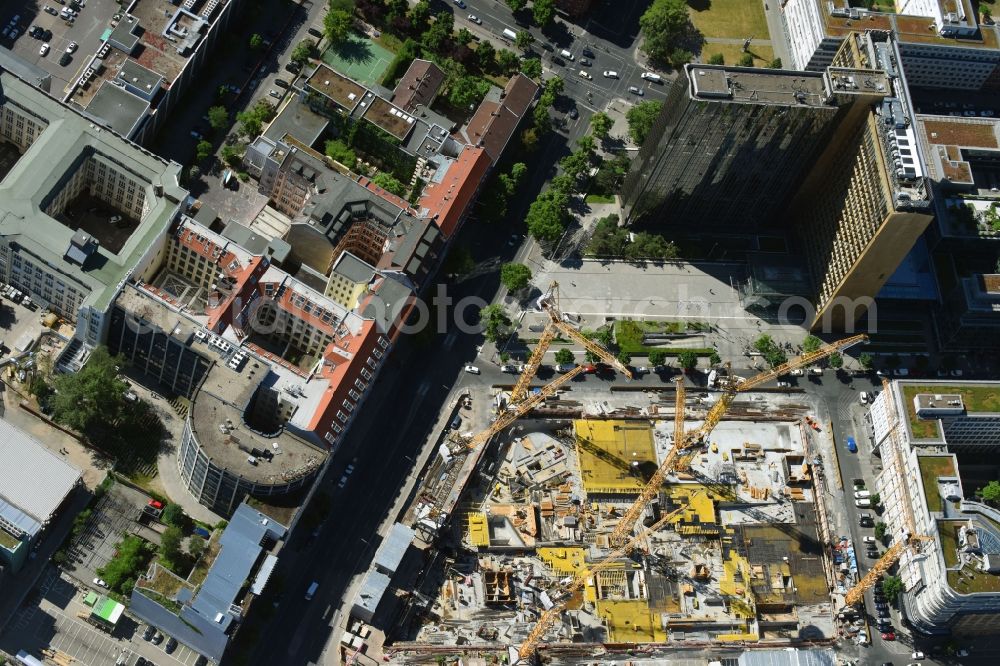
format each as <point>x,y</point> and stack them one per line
<point>687,359</point>
<point>507,61</point>
<point>990,492</point>
<point>811,343</point>
<point>338,150</point>
<point>303,51</point>
<point>132,556</point>
<point>529,139</point>
<point>93,395</point>
<point>523,40</point>
<point>714,358</point>
<point>565,357</point>
<point>892,586</point>
<point>337,25</point>
<point>586,144</point>
<point>987,14</point>
<point>439,35</point>
<point>601,123</point>
<point>486,56</point>
<point>530,67</point>
<point>746,60</point>
<point>256,41</point>
<point>218,117</point>
<point>196,546</point>
<point>420,15</point>
<point>624,357</point>
<point>836,361</point>
<point>173,514</point>
<point>389,183</point>
<point>716,59</point>
<point>775,64</point>
<point>515,276</point>
<point>641,118</point>
<point>554,87</point>
<point>232,154</point>
<point>467,91</point>
<point>203,150</point>
<point>495,322</point>
<point>543,12</point>
<point>546,218</point>
<point>880,528</point>
<point>876,499</point>
<point>463,37</point>
<point>866,360</point>
<point>662,25</point>
<point>657,357</point>
<point>543,122</point>
<point>516,5</point>
<point>679,57</point>
<point>170,547</point>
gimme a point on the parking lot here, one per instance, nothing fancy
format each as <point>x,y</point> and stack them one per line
<point>52,622</point>
<point>86,31</point>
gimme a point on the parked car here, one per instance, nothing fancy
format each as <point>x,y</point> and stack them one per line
<point>43,50</point>
<point>797,372</point>
<point>585,75</point>
<point>610,74</point>
<point>100,582</point>
<point>475,19</point>
<point>889,636</point>
<point>157,638</point>
<point>852,446</point>
<point>917,655</point>
<point>71,47</point>
<point>65,59</point>
<point>588,53</point>
<point>636,91</point>
<point>472,370</point>
<point>148,633</point>
<point>274,93</point>
<point>650,76</point>
<point>573,113</point>
<point>49,9</point>
<point>171,645</point>
<point>456,422</point>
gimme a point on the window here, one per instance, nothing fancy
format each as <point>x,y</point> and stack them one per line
<point>342,416</point>
<point>376,353</point>
<point>337,429</point>
<point>367,375</point>
<point>354,395</point>
<point>330,437</point>
<point>383,343</point>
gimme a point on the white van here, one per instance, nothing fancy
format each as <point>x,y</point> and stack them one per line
<point>509,34</point>
<point>566,54</point>
<point>311,592</point>
<point>649,76</point>
<point>861,494</point>
<point>863,503</point>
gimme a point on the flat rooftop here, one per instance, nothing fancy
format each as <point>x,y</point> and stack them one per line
<point>118,108</point>
<point>223,399</point>
<point>908,28</point>
<point>977,397</point>
<point>610,451</point>
<point>964,132</point>
<point>297,120</point>
<point>757,86</point>
<point>336,87</point>
<point>390,118</point>
<point>156,312</point>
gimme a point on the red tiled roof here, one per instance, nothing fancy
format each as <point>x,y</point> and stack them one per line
<point>446,202</point>
<point>493,123</point>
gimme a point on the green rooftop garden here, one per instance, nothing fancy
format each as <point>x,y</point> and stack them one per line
<point>948,533</point>
<point>7,540</point>
<point>204,563</point>
<point>969,579</point>
<point>163,582</point>
<point>931,467</point>
<point>984,398</point>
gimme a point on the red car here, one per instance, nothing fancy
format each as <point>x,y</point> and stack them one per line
<point>889,636</point>
<point>156,504</point>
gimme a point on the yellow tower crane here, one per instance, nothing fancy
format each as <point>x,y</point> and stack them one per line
<point>547,618</point>
<point>731,385</point>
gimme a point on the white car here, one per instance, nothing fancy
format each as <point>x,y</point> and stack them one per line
<point>586,75</point>
<point>784,385</point>
<point>636,91</point>
<point>71,47</point>
<point>816,371</point>
<point>917,655</point>
<point>472,370</point>
<point>649,76</point>
<point>797,372</point>
<point>869,539</point>
<point>610,74</point>
<point>475,19</point>
<point>100,583</point>
<point>43,49</point>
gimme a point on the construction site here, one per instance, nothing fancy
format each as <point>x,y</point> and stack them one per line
<point>605,521</point>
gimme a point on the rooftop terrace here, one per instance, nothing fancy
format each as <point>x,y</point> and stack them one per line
<point>338,88</point>
<point>388,117</point>
<point>978,397</point>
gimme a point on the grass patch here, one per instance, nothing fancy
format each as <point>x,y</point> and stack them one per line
<point>599,199</point>
<point>163,582</point>
<point>931,467</point>
<point>969,580</point>
<point>762,54</point>
<point>737,19</point>
<point>629,335</point>
<point>948,533</point>
<point>200,570</point>
<point>8,541</point>
<point>975,398</point>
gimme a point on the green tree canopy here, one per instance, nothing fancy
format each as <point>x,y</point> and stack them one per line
<point>303,51</point>
<point>203,150</point>
<point>811,343</point>
<point>657,357</point>
<point>866,360</point>
<point>218,117</point>
<point>338,150</point>
<point>337,25</point>
<point>836,361</point>
<point>256,41</point>
<point>687,359</point>
<point>515,276</point>
<point>990,492</point>
<point>516,5</point>
<point>716,59</point>
<point>530,67</point>
<point>892,586</point>
<point>389,183</point>
<point>196,546</point>
<point>467,91</point>
<point>173,514</point>
<point>624,357</point>
<point>170,547</point>
<point>486,56</point>
<point>543,11</point>
<point>438,36</point>
<point>775,64</point>
<point>495,322</point>
<point>94,395</point>
<point>523,39</point>
<point>641,118</point>
<point>880,529</point>
<point>601,123</point>
<point>663,25</point>
<point>133,555</point>
<point>564,357</point>
<point>746,60</point>
<point>546,218</point>
<point>420,15</point>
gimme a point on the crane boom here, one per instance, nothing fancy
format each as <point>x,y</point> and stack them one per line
<point>547,618</point>
<point>531,367</point>
<point>589,344</point>
<point>712,418</point>
<point>514,412</point>
<point>889,558</point>
<point>679,412</point>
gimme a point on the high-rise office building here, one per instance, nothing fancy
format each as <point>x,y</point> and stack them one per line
<point>829,155</point>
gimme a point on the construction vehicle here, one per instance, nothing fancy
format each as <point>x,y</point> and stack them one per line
<point>910,538</point>
<point>731,385</point>
<point>520,402</point>
<point>577,582</point>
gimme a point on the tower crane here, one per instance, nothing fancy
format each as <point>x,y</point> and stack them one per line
<point>731,386</point>
<point>579,579</point>
<point>910,538</point>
